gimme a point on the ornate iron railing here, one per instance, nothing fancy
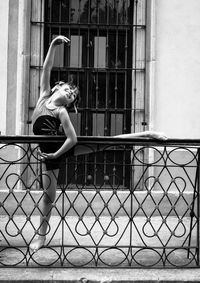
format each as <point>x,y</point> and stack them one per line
<point>140,210</point>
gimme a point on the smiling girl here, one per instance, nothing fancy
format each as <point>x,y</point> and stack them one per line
<point>52,110</point>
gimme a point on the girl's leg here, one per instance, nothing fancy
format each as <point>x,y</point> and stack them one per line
<point>148,134</point>
<point>85,149</point>
<point>49,179</point>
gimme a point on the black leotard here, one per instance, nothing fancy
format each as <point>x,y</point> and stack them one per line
<point>46,122</point>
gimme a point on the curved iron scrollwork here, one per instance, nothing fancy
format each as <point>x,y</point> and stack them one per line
<point>133,204</point>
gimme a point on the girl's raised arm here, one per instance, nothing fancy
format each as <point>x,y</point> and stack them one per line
<point>48,64</point>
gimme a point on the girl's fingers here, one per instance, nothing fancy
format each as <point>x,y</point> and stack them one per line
<point>43,155</point>
<point>66,39</point>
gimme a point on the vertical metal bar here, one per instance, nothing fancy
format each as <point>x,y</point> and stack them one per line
<point>135,65</point>
<point>192,214</point>
<point>86,128</point>
<point>125,90</point>
<point>88,76</point>
<point>40,64</point>
<point>198,206</point>
<point>60,17</point>
<point>97,66</point>
<point>145,60</point>
<point>41,39</point>
<point>107,73</point>
<point>125,79</point>
<point>116,82</point>
<point>69,31</point>
<point>31,20</point>
<point>62,190</point>
<point>195,187</point>
<point>97,87</point>
<point>131,170</point>
<point>116,59</point>
<point>88,43</point>
<point>63,220</point>
<point>50,19</point>
<point>79,41</point>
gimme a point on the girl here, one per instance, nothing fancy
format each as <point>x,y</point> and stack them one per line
<point>50,112</point>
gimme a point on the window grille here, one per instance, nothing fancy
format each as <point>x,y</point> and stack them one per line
<point>105,58</point>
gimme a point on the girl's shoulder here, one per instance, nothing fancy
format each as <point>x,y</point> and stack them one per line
<point>62,110</point>
<point>63,113</point>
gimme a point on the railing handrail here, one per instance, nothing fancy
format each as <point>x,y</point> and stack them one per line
<point>101,139</point>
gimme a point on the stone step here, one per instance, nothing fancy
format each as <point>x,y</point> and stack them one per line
<point>98,275</point>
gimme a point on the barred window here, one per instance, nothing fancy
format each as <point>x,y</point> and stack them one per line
<point>105,58</point>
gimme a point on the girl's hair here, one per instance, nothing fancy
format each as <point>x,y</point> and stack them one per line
<point>73,88</point>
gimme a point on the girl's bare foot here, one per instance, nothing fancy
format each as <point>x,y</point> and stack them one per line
<point>157,135</point>
<point>37,244</point>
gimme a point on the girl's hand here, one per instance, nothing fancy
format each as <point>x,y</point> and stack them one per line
<point>60,39</point>
<point>44,155</point>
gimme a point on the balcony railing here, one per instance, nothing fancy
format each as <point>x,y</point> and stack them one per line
<point>133,204</point>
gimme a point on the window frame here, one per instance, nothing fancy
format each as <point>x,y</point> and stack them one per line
<point>147,85</point>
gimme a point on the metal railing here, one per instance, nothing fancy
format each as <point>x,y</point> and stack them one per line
<point>139,210</point>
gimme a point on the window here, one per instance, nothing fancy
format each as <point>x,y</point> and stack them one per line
<point>105,58</point>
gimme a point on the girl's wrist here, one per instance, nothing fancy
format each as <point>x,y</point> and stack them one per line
<point>55,155</point>
<point>52,44</point>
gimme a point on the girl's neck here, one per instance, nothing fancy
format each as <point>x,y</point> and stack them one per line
<point>56,100</point>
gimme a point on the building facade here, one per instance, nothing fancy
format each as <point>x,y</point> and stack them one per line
<point>136,63</point>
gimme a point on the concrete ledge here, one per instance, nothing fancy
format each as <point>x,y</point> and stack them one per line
<point>35,275</point>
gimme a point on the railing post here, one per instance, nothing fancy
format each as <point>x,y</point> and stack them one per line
<point>198,205</point>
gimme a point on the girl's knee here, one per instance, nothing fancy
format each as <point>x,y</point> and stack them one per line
<point>48,197</point>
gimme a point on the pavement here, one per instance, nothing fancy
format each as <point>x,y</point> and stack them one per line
<point>99,276</point>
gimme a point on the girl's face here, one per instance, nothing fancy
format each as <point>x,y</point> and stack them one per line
<point>68,95</point>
